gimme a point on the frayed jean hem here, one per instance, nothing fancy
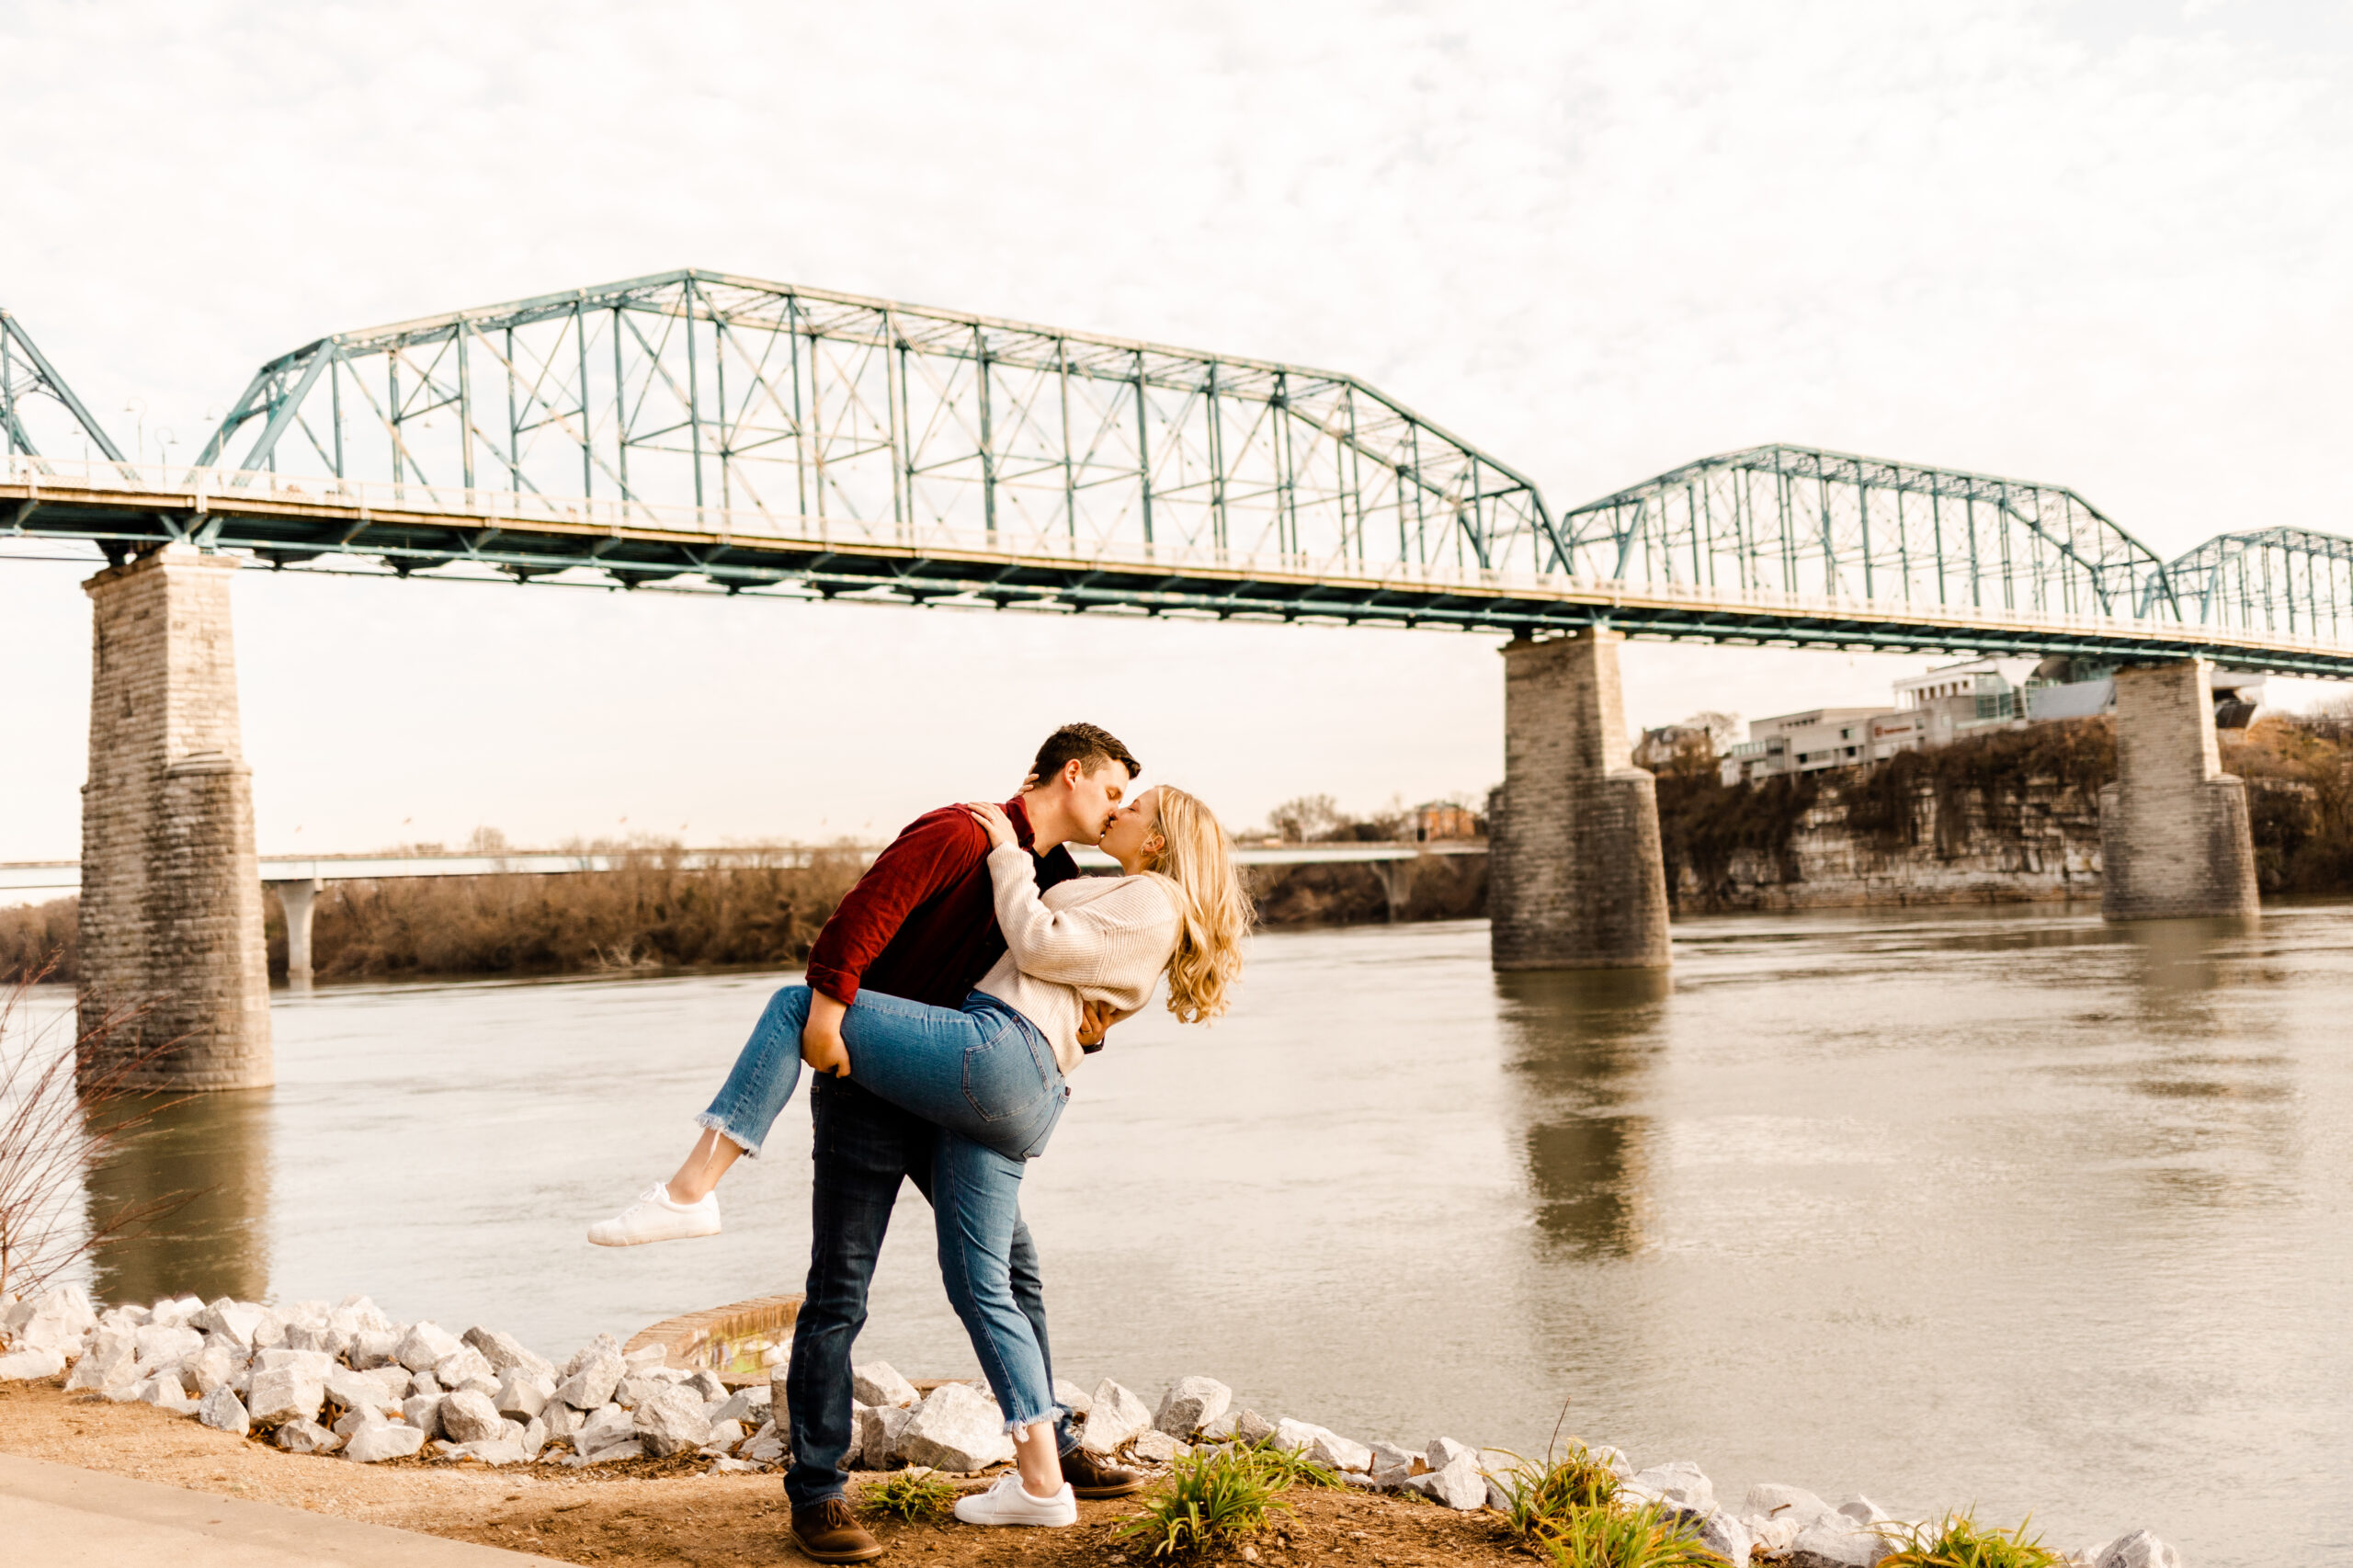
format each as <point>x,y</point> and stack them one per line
<point>710,1120</point>
<point>1053,1417</point>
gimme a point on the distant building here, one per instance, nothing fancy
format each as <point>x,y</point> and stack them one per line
<point>1659,748</point>
<point>1438,819</point>
<point>2237,697</point>
<point>1940,707</point>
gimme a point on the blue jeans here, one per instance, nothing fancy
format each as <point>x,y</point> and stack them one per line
<point>863,1146</point>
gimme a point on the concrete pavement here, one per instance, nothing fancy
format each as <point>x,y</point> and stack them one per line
<point>62,1517</point>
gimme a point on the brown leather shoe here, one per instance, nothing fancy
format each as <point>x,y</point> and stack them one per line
<point>831,1533</point>
<point>1092,1477</point>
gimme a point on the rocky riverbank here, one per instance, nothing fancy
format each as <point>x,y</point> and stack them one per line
<point>350,1383</point>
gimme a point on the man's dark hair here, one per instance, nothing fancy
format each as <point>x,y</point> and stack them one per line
<point>1084,744</point>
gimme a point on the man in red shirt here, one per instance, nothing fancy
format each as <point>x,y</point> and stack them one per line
<point>920,924</point>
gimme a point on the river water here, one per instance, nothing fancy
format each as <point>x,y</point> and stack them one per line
<point>1993,1207</point>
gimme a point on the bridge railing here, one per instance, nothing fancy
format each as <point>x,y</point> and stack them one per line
<point>199,493</point>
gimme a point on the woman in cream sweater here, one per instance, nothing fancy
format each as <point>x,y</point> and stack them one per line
<point>992,1074</point>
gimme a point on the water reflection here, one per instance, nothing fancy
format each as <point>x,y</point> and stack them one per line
<point>205,1162</point>
<point>1578,1040</point>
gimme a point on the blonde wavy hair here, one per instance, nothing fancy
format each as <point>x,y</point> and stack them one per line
<point>1213,913</point>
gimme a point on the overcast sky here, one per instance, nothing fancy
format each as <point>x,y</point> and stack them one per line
<point>2099,244</point>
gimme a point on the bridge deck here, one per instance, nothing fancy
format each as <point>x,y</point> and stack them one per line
<point>412,527</point>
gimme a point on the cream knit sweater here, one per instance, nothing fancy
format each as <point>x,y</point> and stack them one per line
<point>1092,938</point>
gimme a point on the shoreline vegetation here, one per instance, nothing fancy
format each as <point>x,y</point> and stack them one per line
<point>655,912</point>
<point>2007,803</point>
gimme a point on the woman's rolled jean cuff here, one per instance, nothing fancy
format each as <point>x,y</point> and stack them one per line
<point>710,1120</point>
<point>1052,1418</point>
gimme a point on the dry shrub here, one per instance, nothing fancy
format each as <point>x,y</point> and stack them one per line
<point>41,936</point>
<point>653,910</point>
<point>1445,887</point>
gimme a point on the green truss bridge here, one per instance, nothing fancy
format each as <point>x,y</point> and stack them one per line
<point>704,431</point>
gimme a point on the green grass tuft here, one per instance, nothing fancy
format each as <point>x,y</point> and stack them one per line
<point>1610,1536</point>
<point>914,1496</point>
<point>1215,1496</point>
<point>1543,1497</point>
<point>1959,1541</point>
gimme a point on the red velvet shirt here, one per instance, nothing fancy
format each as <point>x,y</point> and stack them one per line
<point>922,923</point>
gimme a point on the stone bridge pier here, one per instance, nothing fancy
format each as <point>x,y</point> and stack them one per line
<point>1575,877</point>
<point>2173,834</point>
<point>171,915</point>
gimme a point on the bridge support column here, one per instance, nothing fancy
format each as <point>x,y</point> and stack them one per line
<point>171,893</point>
<point>298,899</point>
<point>1575,876</point>
<point>2173,836</point>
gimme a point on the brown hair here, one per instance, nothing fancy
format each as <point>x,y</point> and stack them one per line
<point>1083,744</point>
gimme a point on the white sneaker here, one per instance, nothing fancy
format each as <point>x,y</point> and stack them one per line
<point>1009,1503</point>
<point>657,1217</point>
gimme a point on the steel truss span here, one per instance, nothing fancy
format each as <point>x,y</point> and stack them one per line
<point>780,405</point>
<point>37,407</point>
<point>708,432</point>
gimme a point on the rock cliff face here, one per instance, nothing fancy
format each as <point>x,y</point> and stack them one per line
<point>1945,845</point>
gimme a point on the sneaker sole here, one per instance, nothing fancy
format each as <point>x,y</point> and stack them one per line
<point>649,1241</point>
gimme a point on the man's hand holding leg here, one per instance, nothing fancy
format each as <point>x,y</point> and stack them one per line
<point>821,1037</point>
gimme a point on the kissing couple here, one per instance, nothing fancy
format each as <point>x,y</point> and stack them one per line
<point>952,995</point>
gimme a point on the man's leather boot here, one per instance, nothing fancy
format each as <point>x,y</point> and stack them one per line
<point>1091,1476</point>
<point>829,1532</point>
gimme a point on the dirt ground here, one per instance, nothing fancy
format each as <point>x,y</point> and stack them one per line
<point>651,1511</point>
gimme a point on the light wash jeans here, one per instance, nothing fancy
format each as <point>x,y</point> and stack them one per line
<point>986,1077</point>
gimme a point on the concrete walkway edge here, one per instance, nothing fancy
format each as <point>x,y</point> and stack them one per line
<point>62,1517</point>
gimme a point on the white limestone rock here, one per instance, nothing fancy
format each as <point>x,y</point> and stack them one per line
<point>357,1391</point>
<point>1323,1446</point>
<point>1393,1466</point>
<point>523,1393</point>
<point>1114,1415</point>
<point>215,1365</point>
<point>373,1445</point>
<point>672,1421</point>
<point>1835,1541</point>
<point>596,1373</point>
<point>494,1452</point>
<point>705,1383</point>
<point>879,1382</point>
<point>1772,1501</point>
<point>31,1364</point>
<point>286,1393</point>
<point>603,1428</point>
<point>646,1357</point>
<point>323,1337</point>
<point>423,1384</point>
<point>1444,1451</point>
<point>317,1363</point>
<point>636,1389</point>
<point>374,1348</point>
<point>1458,1483</point>
<point>1722,1534</point>
<point>2138,1549</point>
<point>534,1436</point>
<point>1863,1511</point>
<point>1252,1427</point>
<point>1190,1404</point>
<point>423,1410</point>
<point>425,1346</point>
<point>1679,1484</point>
<point>165,1345</point>
<point>561,1420</point>
<point>632,1449</point>
<point>165,1391</point>
<point>1154,1447</point>
<point>112,1358</point>
<point>465,1368</point>
<point>725,1437</point>
<point>956,1428</point>
<point>356,1420</point>
<point>752,1406</point>
<point>232,1320</point>
<point>766,1445</point>
<point>175,1309</point>
<point>506,1353</point>
<point>879,1429</point>
<point>1071,1397</point>
<point>304,1437</point>
<point>60,1320</point>
<point>223,1412</point>
<point>467,1417</point>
